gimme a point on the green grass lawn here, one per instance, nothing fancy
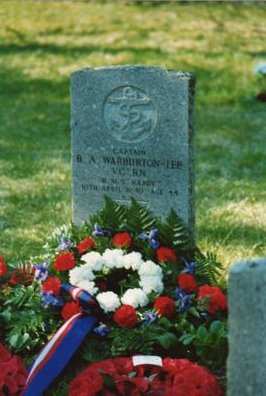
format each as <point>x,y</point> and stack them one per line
<point>43,42</point>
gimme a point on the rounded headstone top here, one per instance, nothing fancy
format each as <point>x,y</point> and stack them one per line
<point>138,68</point>
<point>256,264</point>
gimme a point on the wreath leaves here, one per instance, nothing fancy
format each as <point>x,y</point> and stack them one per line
<point>139,218</point>
<point>174,233</point>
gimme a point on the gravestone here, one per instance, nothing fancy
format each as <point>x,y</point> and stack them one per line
<point>132,136</point>
<point>247,329</point>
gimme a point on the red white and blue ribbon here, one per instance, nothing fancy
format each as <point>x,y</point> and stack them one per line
<point>59,350</point>
<point>80,295</point>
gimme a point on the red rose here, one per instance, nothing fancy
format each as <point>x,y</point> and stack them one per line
<point>166,254</point>
<point>85,245</point>
<point>216,298</point>
<point>165,306</point>
<point>52,284</point>
<point>64,261</point>
<point>3,267</point>
<point>70,309</point>
<point>20,276</point>
<point>122,240</point>
<point>125,316</point>
<point>187,282</point>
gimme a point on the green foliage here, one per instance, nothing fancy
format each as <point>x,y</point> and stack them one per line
<point>21,296</point>
<point>174,232</point>
<point>167,340</point>
<point>160,336</point>
<point>139,218</point>
<point>116,217</point>
<point>134,341</point>
<point>208,269</point>
<point>23,320</point>
<point>196,340</point>
<point>210,343</point>
<point>136,219</point>
<point>112,216</point>
<point>94,350</point>
<point>53,240</point>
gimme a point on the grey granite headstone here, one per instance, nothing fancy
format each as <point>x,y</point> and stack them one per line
<point>247,329</point>
<point>132,136</point>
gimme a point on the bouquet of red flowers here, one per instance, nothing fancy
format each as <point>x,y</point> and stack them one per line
<point>13,374</point>
<point>121,377</point>
<point>142,284</point>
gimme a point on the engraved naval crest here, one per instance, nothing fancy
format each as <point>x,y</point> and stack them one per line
<point>129,114</point>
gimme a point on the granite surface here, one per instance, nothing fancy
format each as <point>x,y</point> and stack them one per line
<point>132,136</point>
<point>247,329</point>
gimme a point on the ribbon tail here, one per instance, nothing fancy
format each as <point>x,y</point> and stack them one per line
<point>56,354</point>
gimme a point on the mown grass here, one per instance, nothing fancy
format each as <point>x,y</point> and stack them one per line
<point>43,42</point>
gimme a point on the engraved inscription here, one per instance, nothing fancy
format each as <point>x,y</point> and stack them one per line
<point>131,172</point>
<point>129,114</point>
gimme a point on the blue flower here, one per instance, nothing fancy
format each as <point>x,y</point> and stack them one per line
<point>183,300</point>
<point>41,271</point>
<point>190,267</point>
<point>98,231</point>
<point>48,299</point>
<point>102,330</point>
<point>151,237</point>
<point>150,317</point>
<point>64,245</point>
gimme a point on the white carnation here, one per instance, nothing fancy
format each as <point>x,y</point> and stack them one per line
<point>78,274</point>
<point>113,258</point>
<point>88,286</point>
<point>149,268</point>
<point>133,260</point>
<point>94,260</point>
<point>151,283</point>
<point>108,301</point>
<point>135,297</point>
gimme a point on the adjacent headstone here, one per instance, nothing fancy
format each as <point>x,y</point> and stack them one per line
<point>247,329</point>
<point>132,136</point>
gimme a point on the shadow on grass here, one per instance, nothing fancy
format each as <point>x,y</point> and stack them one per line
<point>13,81</point>
<point>68,49</point>
<point>9,49</point>
<point>256,53</point>
<point>35,123</point>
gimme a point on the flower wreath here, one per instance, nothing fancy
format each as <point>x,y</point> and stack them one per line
<point>150,277</point>
<point>158,292</point>
<point>13,374</point>
<point>120,376</point>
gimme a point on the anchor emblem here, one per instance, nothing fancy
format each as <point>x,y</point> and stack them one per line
<point>129,114</point>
